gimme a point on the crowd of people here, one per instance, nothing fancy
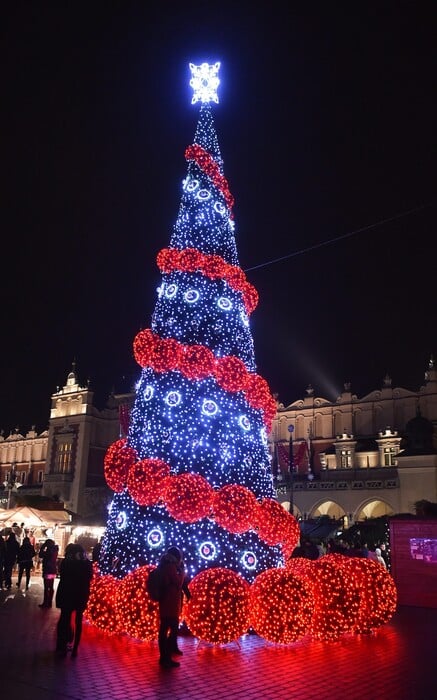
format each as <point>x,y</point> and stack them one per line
<point>310,549</point>
<point>20,553</point>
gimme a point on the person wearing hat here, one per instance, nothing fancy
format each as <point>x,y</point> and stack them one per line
<point>174,583</point>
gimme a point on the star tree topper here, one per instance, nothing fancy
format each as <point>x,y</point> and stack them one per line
<point>204,82</point>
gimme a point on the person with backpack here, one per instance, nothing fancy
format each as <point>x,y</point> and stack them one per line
<point>173,585</point>
<point>25,561</point>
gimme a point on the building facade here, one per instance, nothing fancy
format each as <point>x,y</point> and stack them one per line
<point>357,458</point>
<point>64,463</point>
<point>351,459</point>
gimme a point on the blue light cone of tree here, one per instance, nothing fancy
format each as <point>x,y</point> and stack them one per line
<point>196,426</point>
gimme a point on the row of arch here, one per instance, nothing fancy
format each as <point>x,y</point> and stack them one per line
<point>372,508</point>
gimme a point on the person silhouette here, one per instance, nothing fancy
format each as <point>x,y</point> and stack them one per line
<point>75,574</point>
<point>25,561</point>
<point>49,555</point>
<point>11,553</point>
<point>174,584</point>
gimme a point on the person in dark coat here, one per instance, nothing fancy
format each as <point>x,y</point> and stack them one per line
<point>12,548</point>
<point>76,572</point>
<point>25,561</point>
<point>174,583</point>
<point>2,560</point>
<point>49,555</point>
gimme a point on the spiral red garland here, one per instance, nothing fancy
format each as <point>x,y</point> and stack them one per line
<point>207,164</point>
<point>197,362</point>
<point>189,497</point>
<point>212,266</point>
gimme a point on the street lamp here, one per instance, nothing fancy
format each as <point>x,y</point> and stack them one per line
<point>291,468</point>
<point>12,484</point>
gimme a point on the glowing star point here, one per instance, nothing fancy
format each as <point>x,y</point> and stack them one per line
<point>204,82</point>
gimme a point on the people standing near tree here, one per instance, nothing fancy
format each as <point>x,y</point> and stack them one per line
<point>11,554</point>
<point>379,558</point>
<point>385,554</point>
<point>25,561</point>
<point>49,555</point>
<point>76,572</point>
<point>96,550</point>
<point>2,560</point>
<point>174,584</point>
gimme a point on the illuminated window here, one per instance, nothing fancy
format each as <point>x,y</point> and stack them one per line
<point>345,459</point>
<point>390,456</point>
<point>63,458</point>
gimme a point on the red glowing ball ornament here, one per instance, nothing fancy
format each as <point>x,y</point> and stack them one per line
<point>100,610</point>
<point>214,267</point>
<point>234,507</point>
<point>144,347</point>
<point>146,481</point>
<point>231,373</point>
<point>302,568</point>
<point>168,353</point>
<point>118,460</point>
<point>376,590</point>
<point>136,613</point>
<point>272,521</point>
<point>188,497</point>
<point>167,260</point>
<point>281,606</point>
<point>336,600</point>
<point>190,260</point>
<point>250,298</point>
<point>218,610</point>
<point>290,535</point>
<point>197,362</point>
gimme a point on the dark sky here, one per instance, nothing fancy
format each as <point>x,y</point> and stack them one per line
<point>326,124</point>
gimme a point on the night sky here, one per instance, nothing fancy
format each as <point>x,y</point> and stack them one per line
<point>327,129</point>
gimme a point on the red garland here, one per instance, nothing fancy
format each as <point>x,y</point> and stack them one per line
<point>147,481</point>
<point>212,266</point>
<point>234,507</point>
<point>168,354</point>
<point>198,362</point>
<point>231,373</point>
<point>188,497</point>
<point>206,163</point>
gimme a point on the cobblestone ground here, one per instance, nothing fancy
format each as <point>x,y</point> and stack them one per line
<point>396,662</point>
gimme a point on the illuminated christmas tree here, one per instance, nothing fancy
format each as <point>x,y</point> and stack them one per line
<point>194,470</point>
